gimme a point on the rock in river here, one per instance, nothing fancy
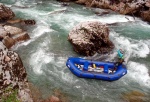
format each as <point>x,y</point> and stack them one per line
<point>88,38</point>
<point>5,13</point>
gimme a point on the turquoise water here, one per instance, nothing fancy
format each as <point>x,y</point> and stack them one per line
<point>45,54</point>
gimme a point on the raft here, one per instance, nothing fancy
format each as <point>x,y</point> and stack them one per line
<point>107,71</point>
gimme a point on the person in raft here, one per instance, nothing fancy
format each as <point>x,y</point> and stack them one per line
<point>120,56</point>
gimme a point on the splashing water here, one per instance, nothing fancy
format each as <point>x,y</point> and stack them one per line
<point>45,54</point>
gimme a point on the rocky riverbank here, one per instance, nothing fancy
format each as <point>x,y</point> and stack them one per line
<point>13,76</point>
<point>139,8</point>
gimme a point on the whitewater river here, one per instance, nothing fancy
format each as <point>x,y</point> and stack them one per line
<point>45,54</point>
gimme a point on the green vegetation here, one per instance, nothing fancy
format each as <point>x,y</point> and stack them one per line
<point>7,97</point>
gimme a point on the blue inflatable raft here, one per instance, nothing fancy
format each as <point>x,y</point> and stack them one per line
<point>95,69</point>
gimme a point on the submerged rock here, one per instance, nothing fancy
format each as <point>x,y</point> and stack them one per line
<point>134,96</point>
<point>58,96</point>
<point>13,75</point>
<point>54,99</point>
<point>88,38</point>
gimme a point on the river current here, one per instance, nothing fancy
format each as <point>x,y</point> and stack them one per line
<point>45,54</point>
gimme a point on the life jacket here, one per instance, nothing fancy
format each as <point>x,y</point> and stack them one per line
<point>120,55</point>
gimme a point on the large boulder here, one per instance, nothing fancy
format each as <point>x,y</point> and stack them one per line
<point>13,76</point>
<point>5,13</point>
<point>88,38</point>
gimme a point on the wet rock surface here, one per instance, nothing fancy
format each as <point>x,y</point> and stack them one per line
<point>88,38</point>
<point>5,13</point>
<point>10,35</point>
<point>146,15</point>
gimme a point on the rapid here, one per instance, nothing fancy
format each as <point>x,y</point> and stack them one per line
<point>45,54</point>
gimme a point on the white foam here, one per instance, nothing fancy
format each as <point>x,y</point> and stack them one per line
<point>38,59</point>
<point>140,49</point>
<point>42,26</point>
<point>147,42</point>
<point>139,72</point>
<point>36,33</point>
<point>67,78</point>
<point>8,5</point>
<point>19,4</point>
<point>32,13</point>
<point>132,48</point>
<point>116,18</point>
<point>68,21</point>
<point>62,10</point>
<point>40,30</point>
<point>145,24</point>
<point>60,70</point>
